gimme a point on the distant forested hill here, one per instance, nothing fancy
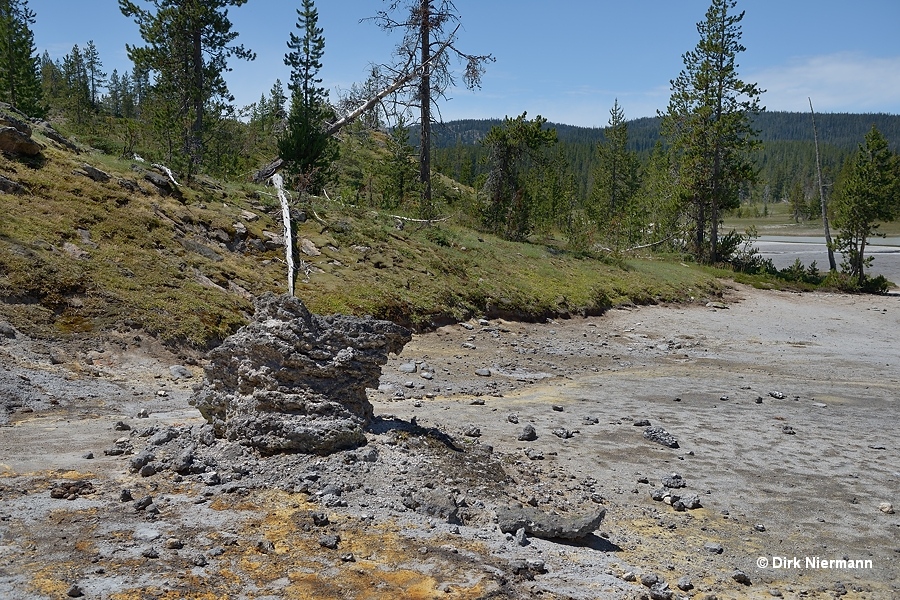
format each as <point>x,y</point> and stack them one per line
<point>787,161</point>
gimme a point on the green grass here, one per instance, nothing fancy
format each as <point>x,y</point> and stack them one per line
<point>777,219</point>
<point>156,264</point>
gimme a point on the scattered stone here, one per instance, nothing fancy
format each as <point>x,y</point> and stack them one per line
<point>534,454</point>
<point>650,579</point>
<point>75,591</point>
<point>777,395</point>
<point>291,381</point>
<point>548,526</point>
<point>174,544</point>
<point>88,456</point>
<point>408,368</point>
<point>143,414</point>
<point>143,503</point>
<point>483,372</point>
<point>674,481</point>
<point>70,490</point>
<point>557,408</point>
<point>150,553</point>
<point>512,418</point>
<point>642,423</point>
<point>180,372</point>
<point>787,429</point>
<point>660,436</point>
<point>7,330</point>
<point>528,434</point>
<point>94,173</point>
<point>684,584</point>
<point>691,502</point>
<point>590,420</point>
<point>713,548</point>
<point>759,527</point>
<point>330,541</point>
<point>629,576</point>
<point>521,538</point>
<point>740,577</point>
<point>661,591</point>
<point>125,496</point>
<point>717,305</point>
<point>562,433</point>
<point>348,557</point>
<point>886,507</point>
<point>472,431</point>
<point>477,402</point>
<point>320,519</point>
<point>759,399</point>
<point>121,426</point>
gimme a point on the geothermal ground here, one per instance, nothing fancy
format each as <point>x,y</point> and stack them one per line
<point>783,407</point>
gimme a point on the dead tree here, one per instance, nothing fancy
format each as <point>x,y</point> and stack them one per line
<point>831,262</point>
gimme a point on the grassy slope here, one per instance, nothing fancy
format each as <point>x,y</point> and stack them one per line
<point>157,263</point>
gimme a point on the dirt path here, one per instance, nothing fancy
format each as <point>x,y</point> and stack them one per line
<point>778,478</point>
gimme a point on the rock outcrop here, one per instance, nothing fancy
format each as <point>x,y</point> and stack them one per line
<point>291,381</point>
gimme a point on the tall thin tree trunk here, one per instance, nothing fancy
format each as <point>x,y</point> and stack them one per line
<point>425,99</point>
<point>197,127</point>
<point>831,262</point>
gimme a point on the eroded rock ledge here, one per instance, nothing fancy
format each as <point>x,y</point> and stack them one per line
<point>292,381</point>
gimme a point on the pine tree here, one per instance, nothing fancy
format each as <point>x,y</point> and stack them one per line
<point>398,173</point>
<point>306,149</point>
<point>708,124</point>
<point>77,101</point>
<point>616,179</point>
<point>868,193</point>
<point>20,64</point>
<point>516,154</point>
<point>187,46</point>
<point>96,77</point>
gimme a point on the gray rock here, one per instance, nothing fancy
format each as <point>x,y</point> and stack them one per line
<point>642,423</point>
<point>548,526</point>
<point>472,431</point>
<point>741,577</point>
<point>513,418</point>
<point>483,372</point>
<point>713,548</point>
<point>180,372</point>
<point>408,368</point>
<point>660,436</point>
<point>95,173</point>
<point>74,591</point>
<point>330,541</point>
<point>674,481</point>
<point>528,434</point>
<point>521,538</point>
<point>661,591</point>
<point>650,579</point>
<point>7,330</point>
<point>562,433</point>
<point>684,584</point>
<point>15,142</point>
<point>291,381</point>
<point>11,187</point>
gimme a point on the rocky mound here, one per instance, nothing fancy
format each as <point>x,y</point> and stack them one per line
<point>291,381</point>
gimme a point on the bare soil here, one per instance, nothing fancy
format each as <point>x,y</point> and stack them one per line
<point>784,407</point>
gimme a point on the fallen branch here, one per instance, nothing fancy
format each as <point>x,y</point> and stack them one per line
<point>429,221</point>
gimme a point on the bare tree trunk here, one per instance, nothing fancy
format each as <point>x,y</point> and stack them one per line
<point>831,262</point>
<point>425,100</point>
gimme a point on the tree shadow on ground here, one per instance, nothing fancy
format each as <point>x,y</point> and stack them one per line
<point>383,425</point>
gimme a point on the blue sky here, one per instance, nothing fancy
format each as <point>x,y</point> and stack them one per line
<point>567,60</point>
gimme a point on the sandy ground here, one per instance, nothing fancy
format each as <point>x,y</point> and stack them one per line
<point>784,407</point>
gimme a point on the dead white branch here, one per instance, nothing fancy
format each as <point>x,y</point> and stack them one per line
<point>167,171</point>
<point>278,182</point>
